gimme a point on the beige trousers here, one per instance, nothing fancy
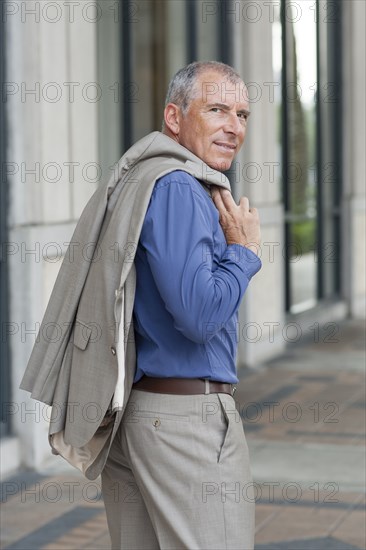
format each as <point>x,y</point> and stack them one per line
<point>178,475</point>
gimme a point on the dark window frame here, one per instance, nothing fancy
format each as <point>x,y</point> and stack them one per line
<point>5,366</point>
<point>126,73</point>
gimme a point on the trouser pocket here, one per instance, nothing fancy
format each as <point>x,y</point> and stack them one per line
<point>230,417</point>
<point>217,424</point>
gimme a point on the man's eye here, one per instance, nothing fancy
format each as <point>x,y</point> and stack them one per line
<point>215,109</point>
<point>243,116</point>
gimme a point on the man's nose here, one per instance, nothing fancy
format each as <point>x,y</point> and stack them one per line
<point>234,125</point>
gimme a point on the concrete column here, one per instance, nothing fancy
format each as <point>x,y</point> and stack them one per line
<point>353,118</point>
<point>48,128</point>
<point>257,174</point>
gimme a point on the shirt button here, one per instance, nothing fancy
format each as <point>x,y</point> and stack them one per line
<point>113,350</point>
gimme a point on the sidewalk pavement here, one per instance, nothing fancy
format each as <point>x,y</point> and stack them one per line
<point>304,418</point>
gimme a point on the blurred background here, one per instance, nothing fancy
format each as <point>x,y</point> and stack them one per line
<point>82,81</point>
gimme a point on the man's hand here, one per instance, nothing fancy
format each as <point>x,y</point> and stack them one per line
<point>240,224</point>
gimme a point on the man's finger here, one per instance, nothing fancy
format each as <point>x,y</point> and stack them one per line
<point>227,199</point>
<point>244,203</point>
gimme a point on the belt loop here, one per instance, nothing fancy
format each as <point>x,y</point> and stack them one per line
<point>207,387</point>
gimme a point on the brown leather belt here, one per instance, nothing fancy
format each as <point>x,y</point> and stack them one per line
<point>183,386</point>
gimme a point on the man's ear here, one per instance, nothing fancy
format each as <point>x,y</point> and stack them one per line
<point>172,118</point>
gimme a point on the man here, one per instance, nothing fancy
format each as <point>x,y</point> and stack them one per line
<point>177,473</point>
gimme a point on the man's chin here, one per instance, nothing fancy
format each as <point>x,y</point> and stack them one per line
<point>221,165</point>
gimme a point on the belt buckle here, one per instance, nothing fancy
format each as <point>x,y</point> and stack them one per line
<point>233,390</point>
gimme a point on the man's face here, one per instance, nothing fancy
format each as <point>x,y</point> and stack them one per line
<point>214,126</point>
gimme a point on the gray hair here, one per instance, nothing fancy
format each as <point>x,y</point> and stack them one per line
<point>182,89</point>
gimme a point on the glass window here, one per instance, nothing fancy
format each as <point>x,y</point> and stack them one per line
<point>148,66</point>
<point>152,41</point>
<point>302,58</point>
<point>301,77</point>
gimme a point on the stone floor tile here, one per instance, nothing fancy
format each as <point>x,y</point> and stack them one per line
<point>352,529</point>
<point>264,513</point>
<point>298,522</point>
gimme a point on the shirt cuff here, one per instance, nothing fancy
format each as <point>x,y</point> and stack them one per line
<point>244,257</point>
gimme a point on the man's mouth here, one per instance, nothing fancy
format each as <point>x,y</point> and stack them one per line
<point>228,147</point>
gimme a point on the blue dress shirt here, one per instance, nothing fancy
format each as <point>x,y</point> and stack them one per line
<point>189,285</point>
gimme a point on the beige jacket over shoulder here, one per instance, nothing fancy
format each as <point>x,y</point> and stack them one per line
<point>75,369</point>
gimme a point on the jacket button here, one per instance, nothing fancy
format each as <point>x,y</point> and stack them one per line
<point>113,350</point>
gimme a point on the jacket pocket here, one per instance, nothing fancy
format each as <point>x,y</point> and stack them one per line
<point>82,333</point>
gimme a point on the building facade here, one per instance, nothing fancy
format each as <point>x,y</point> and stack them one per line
<point>81,81</point>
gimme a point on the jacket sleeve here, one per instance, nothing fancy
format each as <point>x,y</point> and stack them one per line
<point>178,239</point>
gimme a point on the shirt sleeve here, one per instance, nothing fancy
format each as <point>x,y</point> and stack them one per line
<point>177,235</point>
